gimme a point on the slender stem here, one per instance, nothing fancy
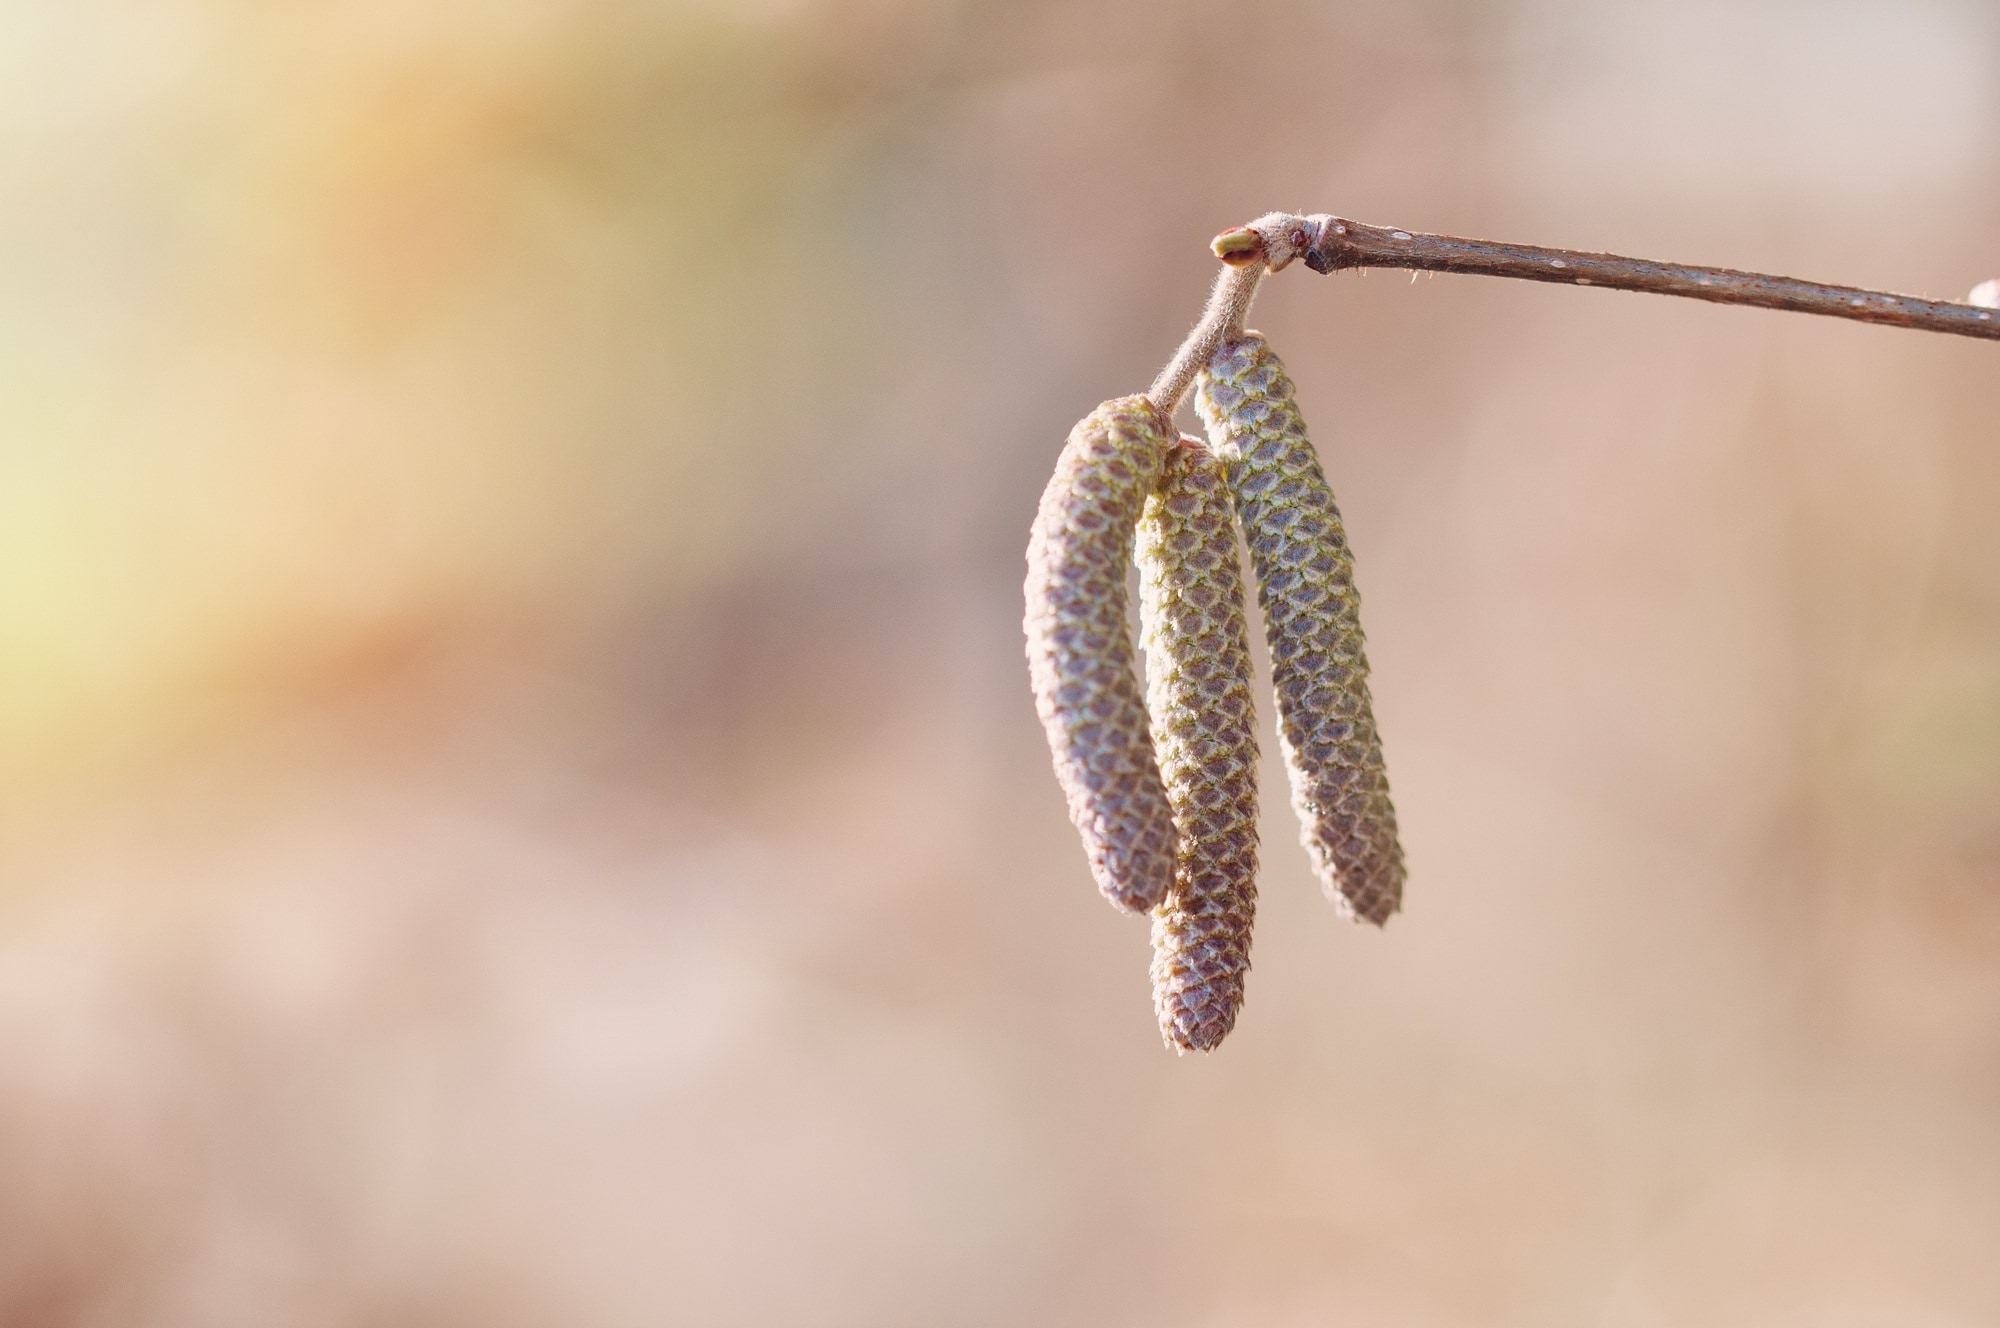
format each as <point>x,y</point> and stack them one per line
<point>1228,305</point>
<point>1332,243</point>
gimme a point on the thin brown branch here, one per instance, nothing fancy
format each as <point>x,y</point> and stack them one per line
<point>1328,244</point>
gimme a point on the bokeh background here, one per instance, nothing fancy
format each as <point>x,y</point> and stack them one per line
<point>519,799</point>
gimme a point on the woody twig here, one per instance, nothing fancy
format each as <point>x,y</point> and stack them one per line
<point>1332,244</point>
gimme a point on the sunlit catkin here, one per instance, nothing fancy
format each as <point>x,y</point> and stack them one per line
<point>1204,731</point>
<point>1305,584</point>
<point>1080,657</point>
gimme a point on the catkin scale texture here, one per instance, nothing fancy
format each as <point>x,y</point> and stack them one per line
<point>1204,730</point>
<point>1305,586</point>
<point>1080,654</point>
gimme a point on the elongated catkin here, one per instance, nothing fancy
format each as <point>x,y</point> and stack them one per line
<point>1204,730</point>
<point>1080,657</point>
<point>1305,584</point>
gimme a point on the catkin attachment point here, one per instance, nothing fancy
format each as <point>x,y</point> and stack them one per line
<point>1204,728</point>
<point>1080,653</point>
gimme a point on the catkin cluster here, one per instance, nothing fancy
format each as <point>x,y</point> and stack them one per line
<point>1163,786</point>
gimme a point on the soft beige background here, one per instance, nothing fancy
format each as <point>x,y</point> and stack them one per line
<point>519,802</point>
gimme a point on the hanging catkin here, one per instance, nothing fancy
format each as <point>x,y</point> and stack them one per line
<point>1204,730</point>
<point>1080,657</point>
<point>1305,584</point>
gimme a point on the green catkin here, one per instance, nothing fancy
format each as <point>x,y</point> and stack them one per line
<point>1080,656</point>
<point>1305,585</point>
<point>1204,731</point>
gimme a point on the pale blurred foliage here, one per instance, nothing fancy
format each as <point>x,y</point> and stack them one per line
<point>518,798</point>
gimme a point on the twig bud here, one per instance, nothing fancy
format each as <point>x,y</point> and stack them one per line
<point>1204,731</point>
<point>1305,584</point>
<point>1080,658</point>
<point>1239,246</point>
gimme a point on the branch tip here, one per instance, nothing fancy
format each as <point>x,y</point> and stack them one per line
<point>1239,246</point>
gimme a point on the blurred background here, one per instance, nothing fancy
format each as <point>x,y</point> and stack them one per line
<point>519,798</point>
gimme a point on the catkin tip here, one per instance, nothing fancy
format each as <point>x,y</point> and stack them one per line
<point>1201,1037</point>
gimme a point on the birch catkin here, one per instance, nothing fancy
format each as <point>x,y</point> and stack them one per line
<point>1204,730</point>
<point>1305,584</point>
<point>1080,658</point>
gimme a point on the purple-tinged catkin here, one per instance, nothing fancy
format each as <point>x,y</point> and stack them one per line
<point>1080,656</point>
<point>1204,731</point>
<point>1305,584</point>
